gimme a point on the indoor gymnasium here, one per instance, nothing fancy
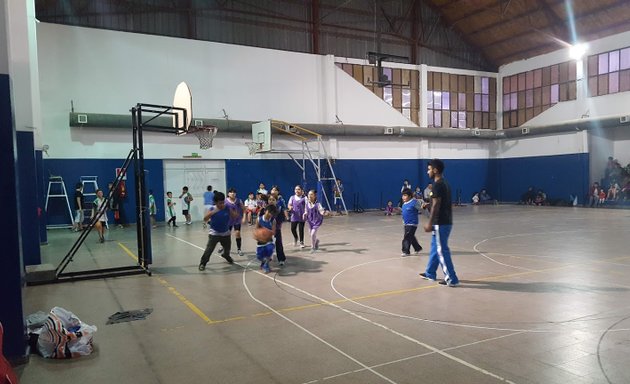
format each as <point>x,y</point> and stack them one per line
<point>316,191</point>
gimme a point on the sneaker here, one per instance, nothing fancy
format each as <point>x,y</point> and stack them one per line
<point>301,244</point>
<point>202,267</point>
<point>317,244</point>
<point>101,240</point>
<point>404,254</point>
<point>188,222</point>
<point>175,226</point>
<point>448,283</point>
<point>240,253</point>
<point>220,251</point>
<point>265,267</point>
<point>313,250</point>
<point>424,276</point>
<point>281,263</point>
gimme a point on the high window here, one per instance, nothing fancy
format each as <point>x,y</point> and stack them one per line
<point>461,101</point>
<point>609,72</point>
<point>402,94</point>
<point>528,94</point>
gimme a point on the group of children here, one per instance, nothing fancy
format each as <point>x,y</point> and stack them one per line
<point>269,212</point>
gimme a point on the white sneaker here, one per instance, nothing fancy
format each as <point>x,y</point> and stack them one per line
<point>302,244</point>
<point>240,253</point>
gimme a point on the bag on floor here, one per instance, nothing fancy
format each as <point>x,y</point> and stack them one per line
<point>65,336</point>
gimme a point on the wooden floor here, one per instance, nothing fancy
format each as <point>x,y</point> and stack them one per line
<point>545,298</point>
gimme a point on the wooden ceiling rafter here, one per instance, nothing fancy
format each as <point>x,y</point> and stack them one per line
<point>519,54</point>
<point>464,37</point>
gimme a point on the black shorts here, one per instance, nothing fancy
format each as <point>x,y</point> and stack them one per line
<point>185,212</point>
<point>236,227</point>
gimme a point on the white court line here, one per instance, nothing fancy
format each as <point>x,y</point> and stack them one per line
<point>365,367</point>
<point>416,356</point>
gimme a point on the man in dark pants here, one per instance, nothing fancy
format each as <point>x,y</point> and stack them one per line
<point>440,223</point>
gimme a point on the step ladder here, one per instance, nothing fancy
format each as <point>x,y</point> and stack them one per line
<point>57,190</point>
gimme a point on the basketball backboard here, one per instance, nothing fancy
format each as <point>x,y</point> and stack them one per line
<point>183,102</point>
<point>261,135</point>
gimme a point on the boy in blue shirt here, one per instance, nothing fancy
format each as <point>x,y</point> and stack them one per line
<point>218,218</point>
<point>410,209</point>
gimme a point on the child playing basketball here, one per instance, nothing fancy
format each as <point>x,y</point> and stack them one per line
<point>411,208</point>
<point>170,206</point>
<point>314,215</point>
<point>218,218</point>
<point>265,247</point>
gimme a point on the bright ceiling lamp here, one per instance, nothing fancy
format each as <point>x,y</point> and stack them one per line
<point>577,51</point>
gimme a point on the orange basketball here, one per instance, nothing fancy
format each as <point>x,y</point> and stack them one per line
<point>262,234</point>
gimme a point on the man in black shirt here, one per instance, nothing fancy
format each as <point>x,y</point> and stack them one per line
<point>440,223</point>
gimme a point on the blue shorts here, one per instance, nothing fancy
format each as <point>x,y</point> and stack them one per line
<point>236,227</point>
<point>264,251</point>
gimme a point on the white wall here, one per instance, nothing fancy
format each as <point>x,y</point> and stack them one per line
<point>109,72</point>
<point>558,144</point>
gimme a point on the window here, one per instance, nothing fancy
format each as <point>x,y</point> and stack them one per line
<point>609,72</point>
<point>528,94</point>
<point>402,94</point>
<point>461,101</point>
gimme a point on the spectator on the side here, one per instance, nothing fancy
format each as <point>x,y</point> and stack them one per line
<point>541,198</point>
<point>613,192</point>
<point>529,196</point>
<point>475,198</point>
<point>484,197</point>
<point>426,194</point>
<point>593,195</point>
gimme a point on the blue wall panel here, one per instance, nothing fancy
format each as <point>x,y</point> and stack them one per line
<point>72,169</point>
<point>559,176</point>
<point>29,224</point>
<point>372,182</point>
<point>11,269</point>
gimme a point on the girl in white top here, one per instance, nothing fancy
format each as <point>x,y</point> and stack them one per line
<point>99,208</point>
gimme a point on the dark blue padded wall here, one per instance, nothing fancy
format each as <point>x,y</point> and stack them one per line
<point>71,171</point>
<point>559,176</point>
<point>29,224</point>
<point>11,268</point>
<point>372,182</point>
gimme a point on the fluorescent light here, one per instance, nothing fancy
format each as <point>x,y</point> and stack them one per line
<point>577,51</point>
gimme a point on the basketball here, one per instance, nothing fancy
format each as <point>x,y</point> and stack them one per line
<point>262,235</point>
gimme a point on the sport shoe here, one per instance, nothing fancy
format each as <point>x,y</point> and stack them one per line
<point>281,263</point>
<point>405,254</point>
<point>265,267</point>
<point>239,252</point>
<point>202,267</point>
<point>424,276</point>
<point>220,251</point>
<point>448,283</point>
<point>317,244</point>
<point>301,244</point>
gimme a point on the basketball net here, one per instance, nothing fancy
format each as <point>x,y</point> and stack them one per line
<point>254,148</point>
<point>205,134</point>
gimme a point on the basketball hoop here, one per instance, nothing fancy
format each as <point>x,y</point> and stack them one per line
<point>205,134</point>
<point>254,148</point>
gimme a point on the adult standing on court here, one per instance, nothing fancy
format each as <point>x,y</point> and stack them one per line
<point>440,222</point>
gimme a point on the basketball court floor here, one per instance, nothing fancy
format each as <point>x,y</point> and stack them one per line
<point>544,298</point>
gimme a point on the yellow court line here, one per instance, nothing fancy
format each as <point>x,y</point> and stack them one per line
<point>172,289</point>
<point>128,251</point>
<point>206,319</point>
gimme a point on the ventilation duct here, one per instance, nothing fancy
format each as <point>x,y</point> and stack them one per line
<point>98,120</point>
